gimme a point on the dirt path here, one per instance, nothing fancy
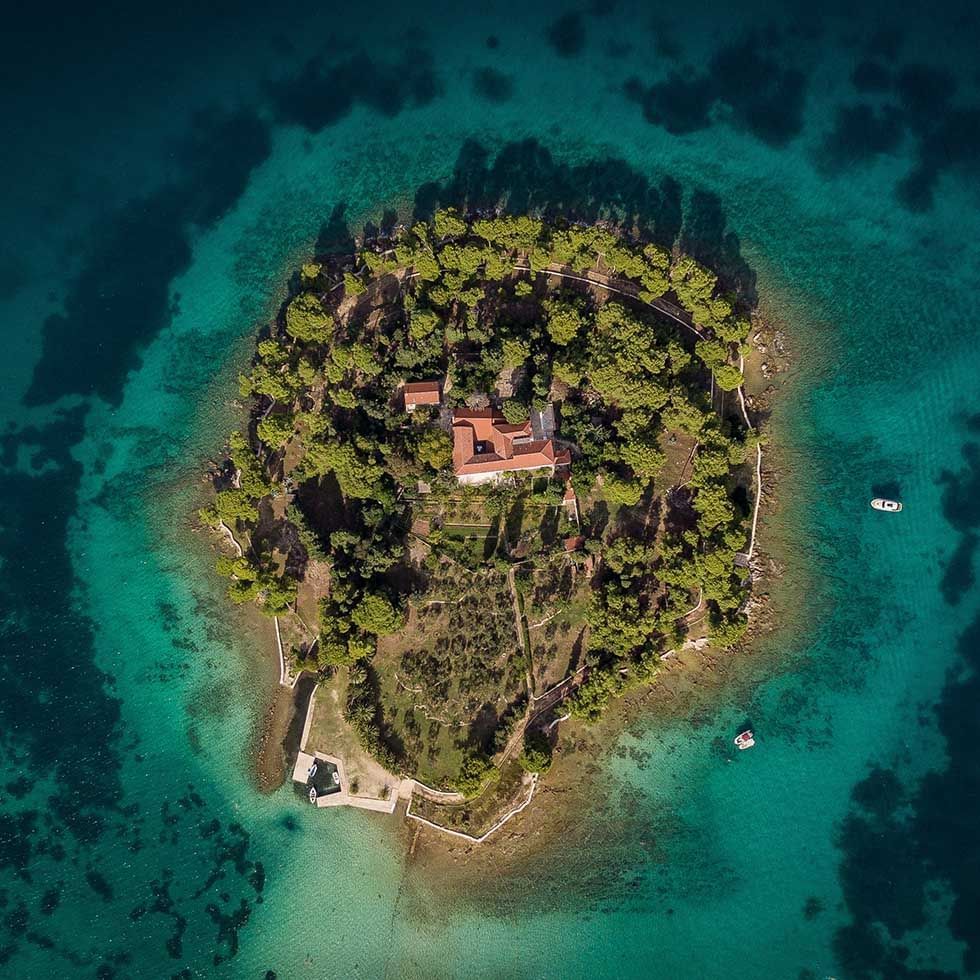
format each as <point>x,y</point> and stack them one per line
<point>233,539</point>
<point>522,638</point>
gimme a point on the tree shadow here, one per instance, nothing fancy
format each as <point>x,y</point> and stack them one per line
<point>120,299</point>
<point>680,515</point>
<point>406,578</point>
<point>741,501</point>
<point>525,178</point>
<point>512,526</point>
<point>323,92</point>
<point>492,540</point>
<point>575,656</point>
<point>492,85</point>
<point>891,489</point>
<point>566,35</point>
<point>704,237</point>
<point>297,720</point>
<point>324,507</point>
<point>371,231</point>
<point>481,730</point>
<point>597,519</point>
<point>334,237</point>
<point>762,92</point>
<point>914,103</point>
<point>961,508</point>
<point>958,575</point>
<point>548,528</point>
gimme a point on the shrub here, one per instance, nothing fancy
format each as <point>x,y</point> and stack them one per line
<point>728,377</point>
<point>448,224</point>
<point>435,448</point>
<point>536,756</point>
<point>564,320</point>
<point>473,773</point>
<point>725,631</point>
<point>515,352</point>
<point>352,285</point>
<point>276,430</point>
<point>514,411</point>
<point>375,614</point>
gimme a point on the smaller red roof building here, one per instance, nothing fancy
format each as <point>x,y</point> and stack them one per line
<point>418,393</point>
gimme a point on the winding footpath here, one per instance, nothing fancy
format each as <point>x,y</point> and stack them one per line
<point>478,840</point>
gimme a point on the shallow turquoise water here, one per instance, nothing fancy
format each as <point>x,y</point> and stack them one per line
<point>131,840</point>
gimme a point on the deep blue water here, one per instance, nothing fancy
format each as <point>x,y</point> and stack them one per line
<point>164,169</point>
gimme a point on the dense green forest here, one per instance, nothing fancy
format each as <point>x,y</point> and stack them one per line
<point>334,475</point>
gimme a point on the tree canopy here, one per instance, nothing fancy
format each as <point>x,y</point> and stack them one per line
<point>307,320</point>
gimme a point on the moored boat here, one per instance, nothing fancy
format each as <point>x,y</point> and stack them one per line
<point>745,740</point>
<point>888,506</point>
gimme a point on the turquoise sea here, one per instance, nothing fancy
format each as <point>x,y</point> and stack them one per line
<point>164,168</point>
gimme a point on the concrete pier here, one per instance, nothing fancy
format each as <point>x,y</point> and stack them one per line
<point>344,797</point>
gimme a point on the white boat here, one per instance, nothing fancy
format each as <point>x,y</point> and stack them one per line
<point>312,795</point>
<point>745,740</point>
<point>889,506</point>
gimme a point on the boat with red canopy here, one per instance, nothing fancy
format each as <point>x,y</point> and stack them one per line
<point>745,740</point>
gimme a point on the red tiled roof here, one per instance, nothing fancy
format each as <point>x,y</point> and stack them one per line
<point>421,393</point>
<point>507,446</point>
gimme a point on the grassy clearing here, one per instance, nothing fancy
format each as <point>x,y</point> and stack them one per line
<point>557,651</point>
<point>453,672</point>
<point>677,446</point>
<point>532,527</point>
<point>468,530</point>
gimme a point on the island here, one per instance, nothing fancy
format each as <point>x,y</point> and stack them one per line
<point>497,470</point>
